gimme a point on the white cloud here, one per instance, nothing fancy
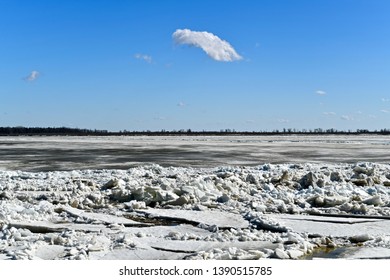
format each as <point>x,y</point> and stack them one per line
<point>33,76</point>
<point>347,118</point>
<point>385,99</point>
<point>214,47</point>
<point>321,92</point>
<point>181,104</point>
<point>145,57</point>
<point>385,111</point>
<point>330,113</point>
<point>283,120</point>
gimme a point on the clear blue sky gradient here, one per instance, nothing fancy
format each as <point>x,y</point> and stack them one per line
<point>89,75</point>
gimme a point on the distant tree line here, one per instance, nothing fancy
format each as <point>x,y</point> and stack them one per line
<point>19,130</point>
<point>66,131</point>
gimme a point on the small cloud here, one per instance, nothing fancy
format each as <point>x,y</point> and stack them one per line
<point>385,111</point>
<point>249,121</point>
<point>372,116</point>
<point>144,57</point>
<point>329,113</point>
<point>347,118</point>
<point>214,47</point>
<point>283,120</point>
<point>160,118</point>
<point>385,99</point>
<point>181,104</point>
<point>321,92</point>
<point>257,45</point>
<point>33,76</point>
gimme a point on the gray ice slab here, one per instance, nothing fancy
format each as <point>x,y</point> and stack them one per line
<point>100,217</point>
<point>137,254</point>
<point>151,248</point>
<point>162,231</point>
<point>368,253</point>
<point>39,226</point>
<point>49,252</point>
<point>191,246</point>
<point>333,226</point>
<point>218,218</point>
<point>348,220</point>
<point>4,257</point>
<point>46,226</point>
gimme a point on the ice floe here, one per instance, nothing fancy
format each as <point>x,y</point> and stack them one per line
<point>284,211</point>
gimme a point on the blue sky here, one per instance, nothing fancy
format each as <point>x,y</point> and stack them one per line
<point>117,65</point>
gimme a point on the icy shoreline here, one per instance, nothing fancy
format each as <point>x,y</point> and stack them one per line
<point>284,211</point>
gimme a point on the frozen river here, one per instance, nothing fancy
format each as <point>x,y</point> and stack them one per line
<point>37,153</point>
<point>231,204</point>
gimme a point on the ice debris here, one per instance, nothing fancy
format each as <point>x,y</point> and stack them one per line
<point>269,211</point>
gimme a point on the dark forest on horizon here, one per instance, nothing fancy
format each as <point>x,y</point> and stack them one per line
<point>66,131</point>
